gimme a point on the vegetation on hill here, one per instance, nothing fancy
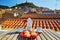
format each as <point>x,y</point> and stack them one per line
<point>25,4</point>
<point>3,7</point>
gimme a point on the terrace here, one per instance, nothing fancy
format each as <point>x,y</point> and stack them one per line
<point>47,34</point>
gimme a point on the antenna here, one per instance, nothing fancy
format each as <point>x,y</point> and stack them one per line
<point>56,7</point>
<point>26,1</point>
<point>16,4</point>
<point>56,4</point>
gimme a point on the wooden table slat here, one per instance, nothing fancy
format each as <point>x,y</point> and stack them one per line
<point>10,38</point>
<point>49,35</point>
<point>53,35</point>
<point>15,37</point>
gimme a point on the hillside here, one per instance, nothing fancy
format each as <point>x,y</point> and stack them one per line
<point>3,7</point>
<point>25,4</point>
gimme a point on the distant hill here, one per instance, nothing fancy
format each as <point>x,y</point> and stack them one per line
<point>3,7</point>
<point>25,4</point>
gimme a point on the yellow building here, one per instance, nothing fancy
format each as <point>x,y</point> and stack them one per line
<point>38,12</point>
<point>0,14</point>
<point>2,11</point>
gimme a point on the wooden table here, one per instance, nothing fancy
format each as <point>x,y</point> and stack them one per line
<point>47,34</point>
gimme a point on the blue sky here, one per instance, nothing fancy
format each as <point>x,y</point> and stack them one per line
<point>43,3</point>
